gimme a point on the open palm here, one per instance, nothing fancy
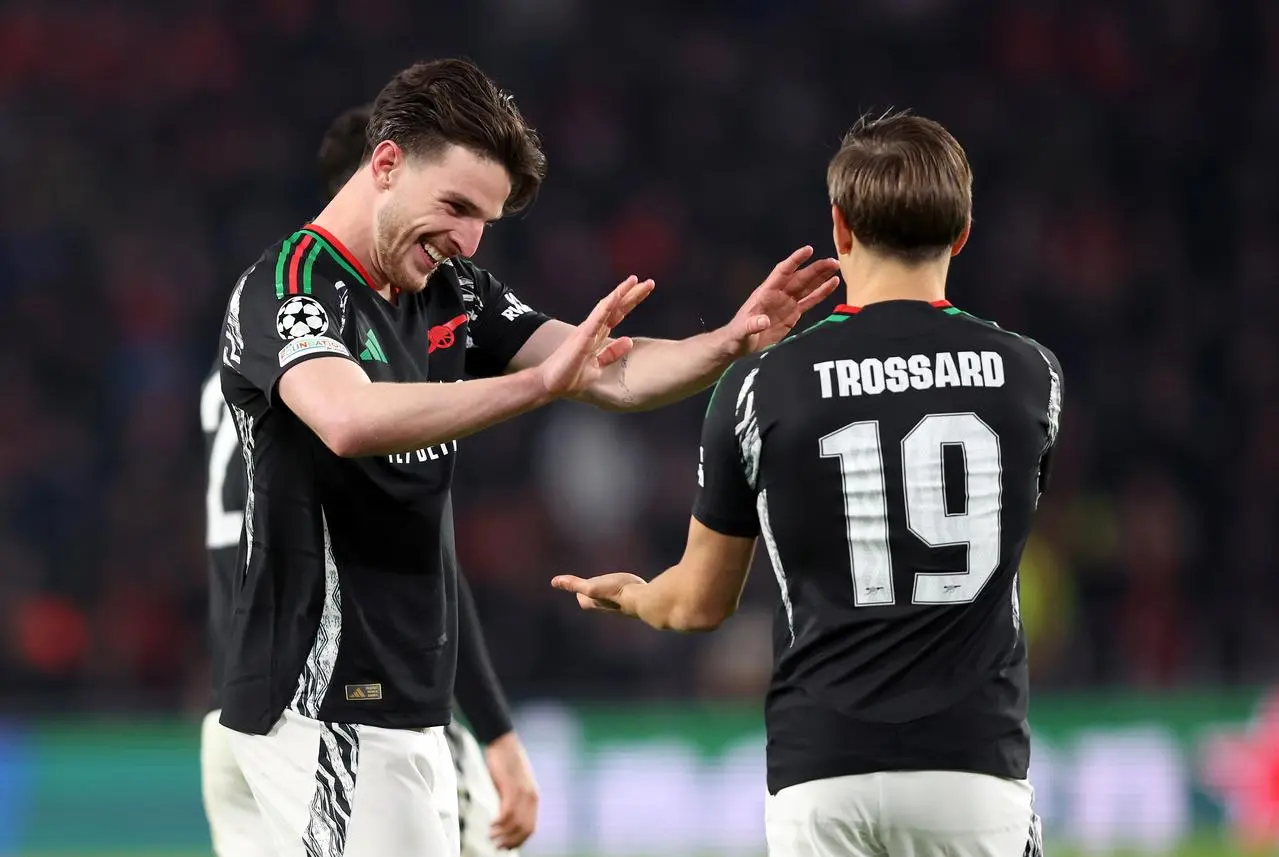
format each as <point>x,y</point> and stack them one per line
<point>578,362</point>
<point>775,307</point>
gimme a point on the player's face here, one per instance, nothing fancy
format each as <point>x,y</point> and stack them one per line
<point>435,209</point>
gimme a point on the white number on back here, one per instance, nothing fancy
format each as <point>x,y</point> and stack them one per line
<point>222,527</point>
<point>860,453</point>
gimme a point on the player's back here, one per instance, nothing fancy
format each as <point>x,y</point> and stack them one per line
<point>898,452</point>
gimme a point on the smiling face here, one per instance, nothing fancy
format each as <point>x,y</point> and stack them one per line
<point>431,208</point>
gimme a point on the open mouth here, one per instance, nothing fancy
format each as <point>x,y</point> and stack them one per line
<point>432,256</point>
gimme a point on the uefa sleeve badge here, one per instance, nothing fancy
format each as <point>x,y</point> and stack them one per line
<point>301,316</point>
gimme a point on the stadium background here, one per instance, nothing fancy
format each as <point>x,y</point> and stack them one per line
<point>1125,215</point>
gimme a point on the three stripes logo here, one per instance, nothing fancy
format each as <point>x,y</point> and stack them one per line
<point>372,351</point>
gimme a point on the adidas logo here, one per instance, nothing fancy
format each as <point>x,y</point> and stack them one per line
<point>372,349</point>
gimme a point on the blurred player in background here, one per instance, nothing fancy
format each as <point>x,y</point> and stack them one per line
<point>345,347</point>
<point>497,796</point>
<point>891,457</point>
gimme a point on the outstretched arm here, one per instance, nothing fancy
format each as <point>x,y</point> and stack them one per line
<point>697,594</point>
<point>658,372</point>
<point>354,416</point>
<point>704,587</point>
<point>655,373</point>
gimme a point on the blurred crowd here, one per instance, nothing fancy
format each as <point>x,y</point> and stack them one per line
<point>1125,216</point>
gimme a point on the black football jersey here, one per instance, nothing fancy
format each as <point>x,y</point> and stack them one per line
<point>344,605</point>
<point>891,458</point>
<point>224,515</point>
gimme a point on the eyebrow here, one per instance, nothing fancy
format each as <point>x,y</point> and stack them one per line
<point>467,206</point>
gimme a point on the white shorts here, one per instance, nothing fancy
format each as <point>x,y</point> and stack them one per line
<point>344,790</point>
<point>476,795</point>
<point>235,824</point>
<point>905,814</point>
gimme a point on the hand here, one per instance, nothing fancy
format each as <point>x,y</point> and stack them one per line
<point>578,362</point>
<point>599,593</point>
<point>516,790</point>
<point>773,309</point>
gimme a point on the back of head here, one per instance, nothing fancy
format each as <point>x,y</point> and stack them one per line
<point>431,105</point>
<point>903,185</point>
<point>344,147</point>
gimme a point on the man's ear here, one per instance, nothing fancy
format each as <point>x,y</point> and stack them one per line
<point>962,239</point>
<point>385,162</point>
<point>842,235</point>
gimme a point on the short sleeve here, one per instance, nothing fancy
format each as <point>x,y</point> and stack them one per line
<point>1052,414</point>
<point>279,317</point>
<point>500,323</point>
<point>728,459</point>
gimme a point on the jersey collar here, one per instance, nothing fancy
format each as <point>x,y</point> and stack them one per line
<point>849,309</point>
<point>340,248</point>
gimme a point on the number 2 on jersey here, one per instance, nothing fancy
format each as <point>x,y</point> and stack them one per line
<point>222,528</point>
<point>860,453</point>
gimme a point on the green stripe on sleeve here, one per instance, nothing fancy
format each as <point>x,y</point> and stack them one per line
<point>281,261</point>
<point>337,257</point>
<point>306,269</point>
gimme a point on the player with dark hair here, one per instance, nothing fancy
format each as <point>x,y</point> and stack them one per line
<point>497,796</point>
<point>341,654</point>
<point>891,457</point>
<point>344,147</point>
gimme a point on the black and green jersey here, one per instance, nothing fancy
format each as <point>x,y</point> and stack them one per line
<point>345,601</point>
<point>891,459</point>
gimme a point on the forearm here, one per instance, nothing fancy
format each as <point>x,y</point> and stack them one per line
<point>658,372</point>
<point>386,418</point>
<point>478,691</point>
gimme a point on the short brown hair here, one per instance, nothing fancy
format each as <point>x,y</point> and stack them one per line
<point>904,186</point>
<point>430,105</point>
<point>344,147</point>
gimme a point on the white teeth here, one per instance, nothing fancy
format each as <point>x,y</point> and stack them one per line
<point>436,255</point>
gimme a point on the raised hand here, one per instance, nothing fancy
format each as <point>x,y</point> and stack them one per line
<point>599,593</point>
<point>775,307</point>
<point>577,363</point>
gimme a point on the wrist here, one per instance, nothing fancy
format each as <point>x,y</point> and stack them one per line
<point>629,599</point>
<point>725,346</point>
<point>534,386</point>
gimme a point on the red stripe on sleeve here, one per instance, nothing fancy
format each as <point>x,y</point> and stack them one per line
<point>298,252</point>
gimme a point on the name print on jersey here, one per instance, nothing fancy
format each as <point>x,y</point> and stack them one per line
<point>516,309</point>
<point>872,375</point>
<point>429,453</point>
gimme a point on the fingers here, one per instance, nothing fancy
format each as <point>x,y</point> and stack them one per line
<point>812,277</point>
<point>791,263</point>
<point>818,295</point>
<point>615,350</point>
<point>515,823</point>
<point>615,306</point>
<point>610,301</point>
<point>597,602</point>
<point>591,594</point>
<point>630,299</point>
<point>567,582</point>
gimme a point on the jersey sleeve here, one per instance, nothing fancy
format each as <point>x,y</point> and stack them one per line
<point>728,460</point>
<point>500,323</point>
<point>280,316</point>
<point>1052,415</point>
